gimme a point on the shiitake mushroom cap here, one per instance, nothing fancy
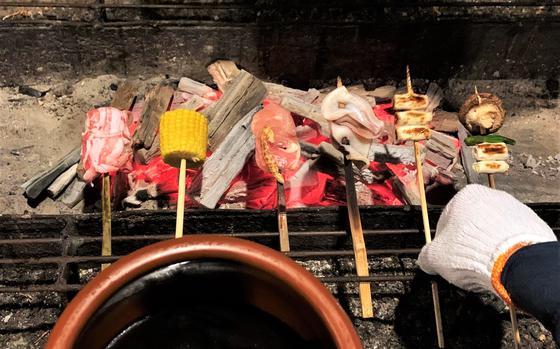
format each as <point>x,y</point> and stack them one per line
<point>485,99</point>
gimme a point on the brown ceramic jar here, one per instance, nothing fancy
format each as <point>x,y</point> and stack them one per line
<point>204,291</point>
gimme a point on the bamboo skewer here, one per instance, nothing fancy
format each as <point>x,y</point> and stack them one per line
<point>106,217</point>
<point>428,238</point>
<point>358,243</point>
<point>512,312</point>
<point>282,218</point>
<point>181,200</point>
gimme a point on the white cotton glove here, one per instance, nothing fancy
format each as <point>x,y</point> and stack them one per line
<point>478,225</point>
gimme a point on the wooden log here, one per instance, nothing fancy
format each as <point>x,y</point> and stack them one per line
<point>384,93</point>
<point>307,110</point>
<point>243,94</point>
<point>62,181</point>
<point>435,95</point>
<point>41,182</point>
<point>442,143</point>
<point>194,87</point>
<point>223,72</point>
<point>224,164</point>
<point>408,189</point>
<point>74,193</point>
<point>361,91</point>
<point>467,157</point>
<point>444,121</point>
<point>194,103</point>
<point>144,156</point>
<point>156,103</point>
<point>125,95</point>
<point>280,91</point>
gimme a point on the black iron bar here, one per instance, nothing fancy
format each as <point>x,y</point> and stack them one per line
<point>344,253</point>
<point>324,279</point>
<point>371,278</point>
<point>204,5</point>
<point>293,254</point>
<point>335,233</point>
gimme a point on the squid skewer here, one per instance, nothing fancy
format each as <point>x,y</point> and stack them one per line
<point>356,231</point>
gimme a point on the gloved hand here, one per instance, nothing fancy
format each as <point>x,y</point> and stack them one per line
<point>476,233</point>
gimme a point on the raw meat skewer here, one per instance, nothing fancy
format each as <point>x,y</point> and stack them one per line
<point>277,149</point>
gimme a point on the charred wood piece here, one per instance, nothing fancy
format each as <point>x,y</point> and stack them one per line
<point>243,94</point>
<point>225,163</point>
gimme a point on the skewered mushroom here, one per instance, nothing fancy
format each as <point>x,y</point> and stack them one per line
<point>482,113</point>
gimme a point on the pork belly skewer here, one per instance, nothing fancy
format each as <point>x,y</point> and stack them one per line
<point>106,148</point>
<point>418,132</point>
<point>492,156</point>
<point>353,125</point>
<point>277,149</point>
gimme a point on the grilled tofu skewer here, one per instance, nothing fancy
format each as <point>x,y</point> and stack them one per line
<point>512,312</point>
<point>493,156</point>
<point>413,125</point>
<point>428,238</point>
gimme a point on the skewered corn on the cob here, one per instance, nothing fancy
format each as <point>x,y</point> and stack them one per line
<point>183,135</point>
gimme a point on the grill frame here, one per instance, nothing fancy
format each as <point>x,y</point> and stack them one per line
<point>394,231</point>
<point>316,234</point>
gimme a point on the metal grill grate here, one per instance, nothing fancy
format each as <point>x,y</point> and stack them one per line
<point>45,260</point>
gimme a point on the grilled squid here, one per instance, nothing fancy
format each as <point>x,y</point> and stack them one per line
<point>353,123</point>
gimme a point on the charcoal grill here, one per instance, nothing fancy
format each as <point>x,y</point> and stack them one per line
<point>47,259</point>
